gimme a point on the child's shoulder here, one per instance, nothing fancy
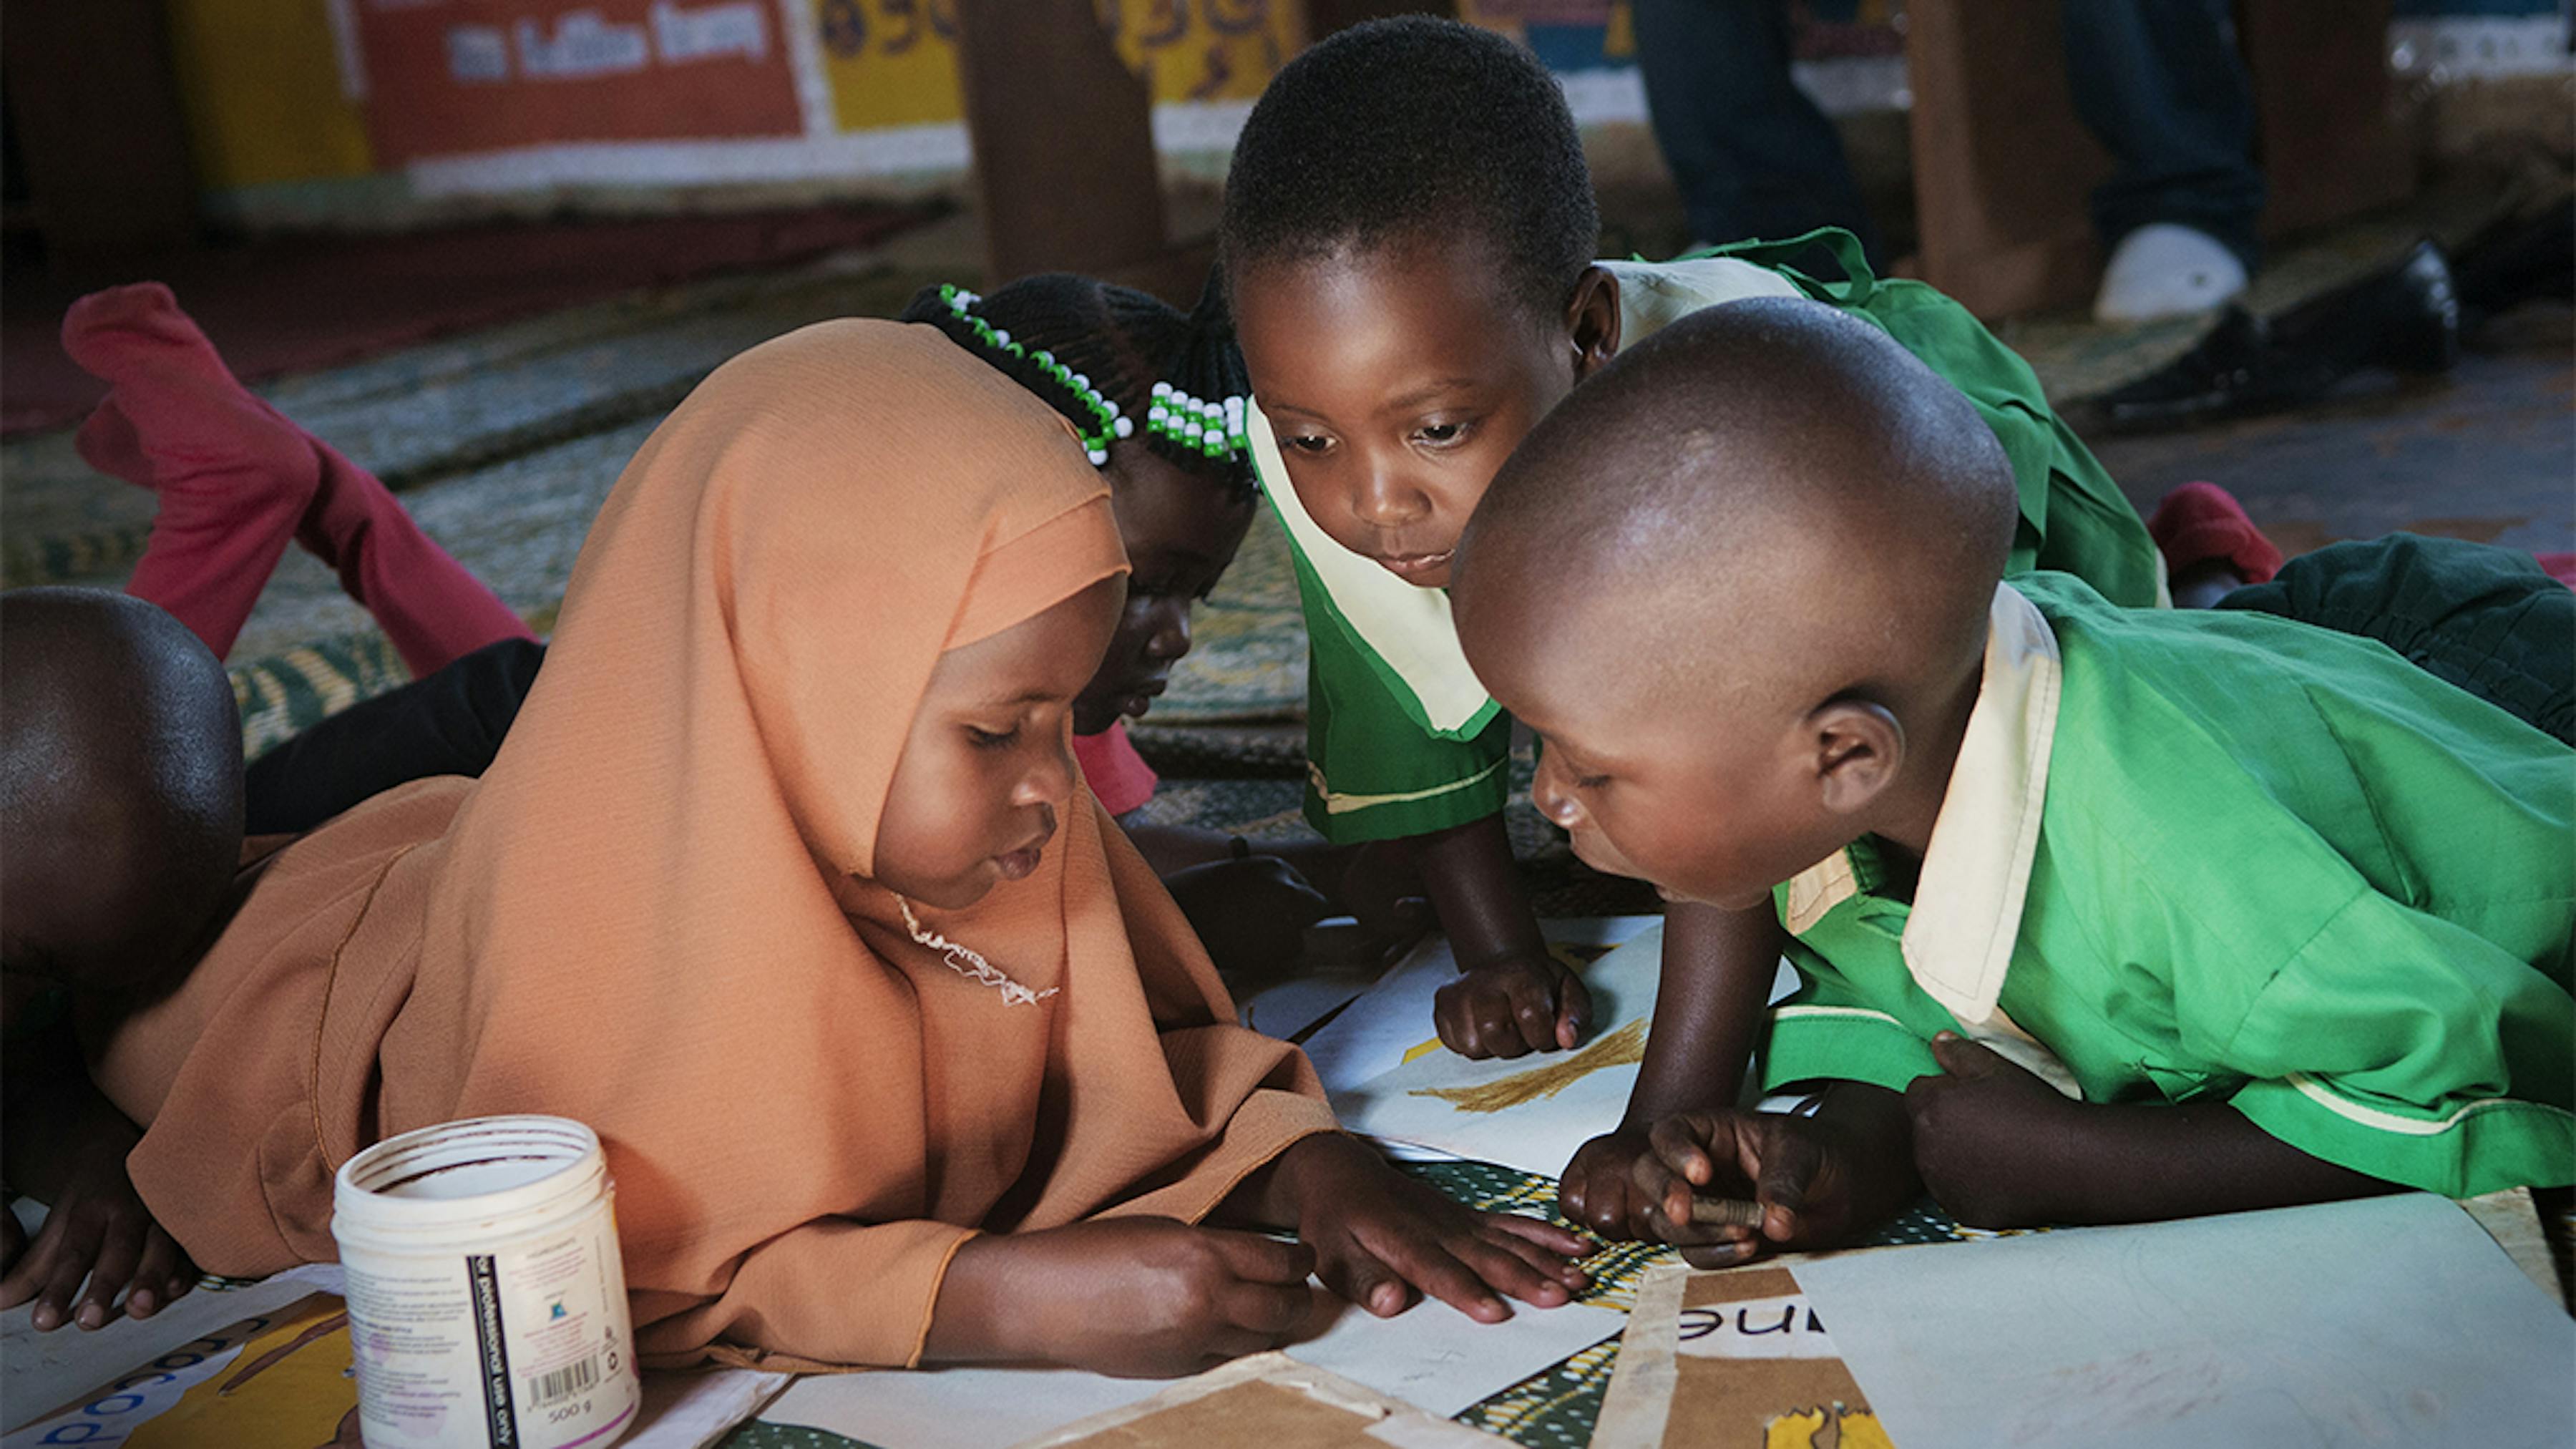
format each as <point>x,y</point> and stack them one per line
<point>2241,740</point>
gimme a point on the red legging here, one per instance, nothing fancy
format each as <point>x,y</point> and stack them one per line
<point>237,479</point>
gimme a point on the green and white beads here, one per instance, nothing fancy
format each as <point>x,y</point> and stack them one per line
<point>1107,423</point>
<point>1214,429</point>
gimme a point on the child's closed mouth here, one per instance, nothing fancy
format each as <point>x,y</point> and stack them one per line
<point>1141,694</point>
<point>1413,567</point>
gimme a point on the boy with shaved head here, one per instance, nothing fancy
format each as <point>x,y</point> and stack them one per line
<point>2100,914</point>
<point>121,792</point>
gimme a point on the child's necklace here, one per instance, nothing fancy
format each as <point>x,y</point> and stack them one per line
<point>969,963</point>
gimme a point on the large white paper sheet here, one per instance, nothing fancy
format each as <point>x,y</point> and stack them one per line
<point>2380,1322</point>
<point>1432,1357</point>
<point>1393,1017</point>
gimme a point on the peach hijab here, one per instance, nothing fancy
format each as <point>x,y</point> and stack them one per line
<point>654,913</point>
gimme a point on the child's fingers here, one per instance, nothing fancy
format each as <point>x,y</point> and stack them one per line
<point>1969,1061</point>
<point>157,1277</point>
<point>1267,1309</point>
<point>1573,1010</point>
<point>1564,1242</point>
<point>1261,1259</point>
<point>1432,1268</point>
<point>1720,1255</point>
<point>1690,1144</point>
<point>1552,1266</point>
<point>1790,1162</point>
<point>120,1248</point>
<point>1359,1277</point>
<point>1514,1269</point>
<point>1681,1232</point>
<point>74,1249</point>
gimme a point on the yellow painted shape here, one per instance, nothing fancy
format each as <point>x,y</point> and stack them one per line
<point>260,82</point>
<point>894,62</point>
<point>1825,1428</point>
<point>298,1396</point>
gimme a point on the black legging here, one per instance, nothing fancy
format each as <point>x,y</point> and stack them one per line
<point>448,723</point>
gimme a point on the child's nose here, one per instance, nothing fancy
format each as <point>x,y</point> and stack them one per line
<point>1049,780</point>
<point>1551,798</point>
<point>1171,637</point>
<point>1387,500</point>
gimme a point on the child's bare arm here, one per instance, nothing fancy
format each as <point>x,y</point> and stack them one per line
<point>1998,1147</point>
<point>1717,973</point>
<point>65,1145</point>
<point>1511,997</point>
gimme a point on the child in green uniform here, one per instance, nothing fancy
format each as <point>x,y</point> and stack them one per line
<point>2102,914</point>
<point>1411,297</point>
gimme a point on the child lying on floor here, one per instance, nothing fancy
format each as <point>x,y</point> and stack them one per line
<point>1411,299</point>
<point>784,881</point>
<point>120,777</point>
<point>2102,914</point>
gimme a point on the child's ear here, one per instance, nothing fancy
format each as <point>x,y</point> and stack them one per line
<point>1592,320</point>
<point>1859,748</point>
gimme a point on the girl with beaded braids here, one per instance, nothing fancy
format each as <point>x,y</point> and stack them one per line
<point>1158,397</point>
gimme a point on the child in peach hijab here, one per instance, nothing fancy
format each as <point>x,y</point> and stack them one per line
<point>785,883</point>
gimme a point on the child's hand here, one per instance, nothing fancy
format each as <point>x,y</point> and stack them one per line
<point>1379,1236</point>
<point>1813,1179</point>
<point>1251,914</point>
<point>1598,1191</point>
<point>1511,1007</point>
<point>1975,1127</point>
<point>1128,1297</point>
<point>97,1229</point>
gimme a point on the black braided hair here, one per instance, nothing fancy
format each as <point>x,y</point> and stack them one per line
<point>1408,128</point>
<point>1123,340</point>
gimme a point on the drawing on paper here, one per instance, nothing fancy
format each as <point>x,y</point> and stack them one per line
<point>1625,1047</point>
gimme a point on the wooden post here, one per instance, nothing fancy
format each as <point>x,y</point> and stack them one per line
<point>99,130</point>
<point>1064,141</point>
<point>2001,164</point>
<point>2327,145</point>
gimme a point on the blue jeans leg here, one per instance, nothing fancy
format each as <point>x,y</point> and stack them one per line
<point>2161,85</point>
<point>1754,157</point>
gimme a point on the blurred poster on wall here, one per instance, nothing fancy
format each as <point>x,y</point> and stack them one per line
<point>451,77</point>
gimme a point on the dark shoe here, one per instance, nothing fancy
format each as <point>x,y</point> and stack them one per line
<point>2405,318</point>
<point>2226,373</point>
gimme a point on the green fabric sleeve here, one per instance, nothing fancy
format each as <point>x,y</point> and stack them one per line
<point>1826,1033</point>
<point>2411,1048</point>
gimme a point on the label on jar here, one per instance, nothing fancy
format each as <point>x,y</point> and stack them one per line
<point>524,1347</point>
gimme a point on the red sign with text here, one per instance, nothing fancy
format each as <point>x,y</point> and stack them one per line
<point>448,77</point>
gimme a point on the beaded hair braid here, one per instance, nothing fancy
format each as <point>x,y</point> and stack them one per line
<point>1114,362</point>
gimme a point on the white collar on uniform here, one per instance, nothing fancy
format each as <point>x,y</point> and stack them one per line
<point>1410,628</point>
<point>1966,917</point>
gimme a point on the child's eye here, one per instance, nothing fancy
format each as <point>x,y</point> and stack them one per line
<point>1437,433</point>
<point>992,739</point>
<point>1307,443</point>
<point>1590,782</point>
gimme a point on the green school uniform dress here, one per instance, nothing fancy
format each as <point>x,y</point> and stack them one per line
<point>2207,856</point>
<point>1403,740</point>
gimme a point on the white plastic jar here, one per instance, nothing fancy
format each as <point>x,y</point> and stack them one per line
<point>487,1304</point>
